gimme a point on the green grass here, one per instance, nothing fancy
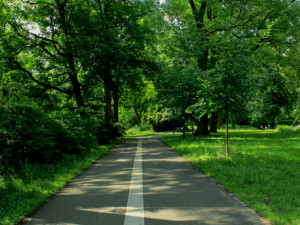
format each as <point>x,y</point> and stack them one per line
<point>144,133</point>
<point>263,169</point>
<point>20,194</point>
<point>143,130</point>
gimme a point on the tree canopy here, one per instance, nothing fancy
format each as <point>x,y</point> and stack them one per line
<point>117,64</point>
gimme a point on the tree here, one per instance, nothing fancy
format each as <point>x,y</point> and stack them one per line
<point>118,36</point>
<point>252,24</point>
<point>43,46</point>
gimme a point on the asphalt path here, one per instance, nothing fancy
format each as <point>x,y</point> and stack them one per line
<point>143,182</point>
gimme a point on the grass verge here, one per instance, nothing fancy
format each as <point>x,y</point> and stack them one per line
<point>20,194</point>
<point>263,168</point>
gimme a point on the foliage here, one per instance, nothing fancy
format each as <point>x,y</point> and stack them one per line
<point>284,129</point>
<point>70,58</point>
<point>29,135</point>
<point>128,117</point>
<point>243,56</point>
<point>137,129</point>
<point>107,134</point>
<point>81,124</point>
<point>261,171</point>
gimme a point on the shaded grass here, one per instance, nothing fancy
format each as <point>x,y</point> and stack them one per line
<point>22,193</point>
<point>263,168</point>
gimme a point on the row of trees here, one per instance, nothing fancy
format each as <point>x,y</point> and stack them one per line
<point>68,69</point>
<point>82,52</point>
<point>239,58</point>
<point>84,62</point>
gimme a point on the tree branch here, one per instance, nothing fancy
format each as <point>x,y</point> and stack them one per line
<point>38,95</point>
<point>31,3</point>
<point>35,3</point>
<point>35,35</point>
<point>199,15</point>
<point>46,50</point>
<point>240,13</point>
<point>48,86</point>
<point>251,18</point>
<point>194,9</point>
<point>16,30</point>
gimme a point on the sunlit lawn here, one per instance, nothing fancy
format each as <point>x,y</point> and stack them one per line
<point>263,169</point>
<point>145,133</point>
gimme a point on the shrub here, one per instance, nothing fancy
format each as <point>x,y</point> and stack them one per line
<point>107,134</point>
<point>146,127</point>
<point>133,130</point>
<point>284,128</point>
<point>118,130</point>
<point>81,125</point>
<point>27,134</point>
<point>136,128</point>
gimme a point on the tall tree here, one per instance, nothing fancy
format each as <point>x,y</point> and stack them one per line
<point>47,33</point>
<point>118,36</point>
<point>257,23</point>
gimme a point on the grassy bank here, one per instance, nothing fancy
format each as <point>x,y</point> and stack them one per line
<point>263,169</point>
<point>22,193</point>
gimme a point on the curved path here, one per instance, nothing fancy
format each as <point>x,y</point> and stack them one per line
<point>143,182</point>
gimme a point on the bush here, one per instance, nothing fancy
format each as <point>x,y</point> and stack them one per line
<point>128,119</point>
<point>117,130</point>
<point>136,128</point>
<point>133,130</point>
<point>146,127</point>
<point>81,125</point>
<point>107,134</point>
<point>28,134</point>
<point>284,128</point>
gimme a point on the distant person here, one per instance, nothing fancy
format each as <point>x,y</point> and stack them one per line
<point>262,127</point>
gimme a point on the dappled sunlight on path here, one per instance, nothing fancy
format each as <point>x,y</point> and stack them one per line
<point>173,193</point>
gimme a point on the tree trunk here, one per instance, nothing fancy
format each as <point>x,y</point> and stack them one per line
<point>219,121</point>
<point>202,126</point>
<point>77,90</point>
<point>108,105</point>
<point>116,100</point>
<point>69,54</point>
<point>274,112</point>
<point>137,113</point>
<point>213,122</point>
<point>199,16</point>
<point>183,114</point>
<point>227,148</point>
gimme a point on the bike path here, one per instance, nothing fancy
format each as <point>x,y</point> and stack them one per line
<point>143,182</point>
